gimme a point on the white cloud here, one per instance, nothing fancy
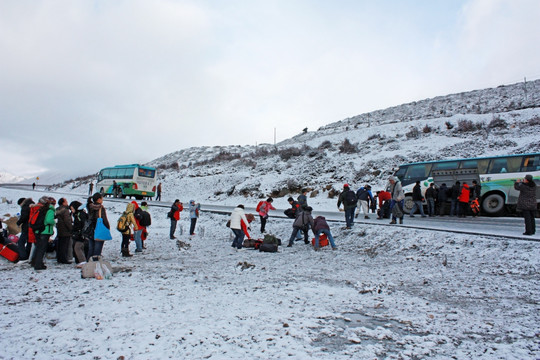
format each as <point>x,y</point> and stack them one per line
<point>133,80</point>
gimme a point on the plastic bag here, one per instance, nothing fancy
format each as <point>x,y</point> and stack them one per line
<point>106,272</point>
<point>98,272</point>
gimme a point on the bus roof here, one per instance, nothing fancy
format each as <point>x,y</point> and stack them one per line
<point>130,166</point>
<point>475,158</point>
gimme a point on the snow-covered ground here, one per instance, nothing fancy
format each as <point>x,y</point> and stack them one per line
<point>387,292</point>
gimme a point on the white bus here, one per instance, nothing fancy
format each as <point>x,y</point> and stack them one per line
<point>497,176</point>
<point>131,180</point>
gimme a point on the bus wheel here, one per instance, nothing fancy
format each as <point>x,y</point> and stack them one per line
<point>408,204</point>
<point>493,205</point>
<point>138,197</point>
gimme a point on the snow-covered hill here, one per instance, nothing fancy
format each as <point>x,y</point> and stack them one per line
<point>361,149</point>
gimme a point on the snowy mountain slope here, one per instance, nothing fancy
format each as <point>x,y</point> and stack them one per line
<point>486,122</point>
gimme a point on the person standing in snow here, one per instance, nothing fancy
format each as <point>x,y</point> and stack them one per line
<point>25,246</point>
<point>194,209</point>
<point>90,188</point>
<point>349,201</point>
<point>303,222</point>
<point>43,236</point>
<point>527,202</point>
<point>174,215</point>
<point>398,198</point>
<point>463,200</point>
<point>65,228</point>
<point>431,194</point>
<point>302,199</point>
<point>264,208</point>
<point>239,226</point>
<point>364,197</point>
<point>454,195</point>
<point>129,224</point>
<point>417,200</point>
<point>442,197</point>
<point>79,218</point>
<point>95,211</point>
<point>158,192</point>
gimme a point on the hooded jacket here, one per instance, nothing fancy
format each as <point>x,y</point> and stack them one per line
<point>65,223</point>
<point>25,214</point>
<point>130,219</point>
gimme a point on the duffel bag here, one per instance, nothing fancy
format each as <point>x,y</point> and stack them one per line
<point>268,248</point>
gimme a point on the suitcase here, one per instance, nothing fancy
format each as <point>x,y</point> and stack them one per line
<point>323,241</point>
<point>10,252</point>
<point>268,248</point>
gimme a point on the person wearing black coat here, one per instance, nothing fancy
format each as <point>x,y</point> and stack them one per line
<point>442,197</point>
<point>527,202</point>
<point>24,246</point>
<point>454,194</point>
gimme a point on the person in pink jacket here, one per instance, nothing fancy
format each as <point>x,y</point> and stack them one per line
<point>263,208</point>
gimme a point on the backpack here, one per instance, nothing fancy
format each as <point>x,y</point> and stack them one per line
<point>37,218</point>
<point>145,220</point>
<point>271,239</point>
<point>268,248</point>
<point>259,205</point>
<point>122,225</point>
<point>138,214</point>
<point>350,198</point>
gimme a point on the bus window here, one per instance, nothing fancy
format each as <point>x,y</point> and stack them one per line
<point>419,171</point>
<point>481,165</point>
<point>447,165</point>
<point>531,163</point>
<point>504,165</point>
<point>147,173</point>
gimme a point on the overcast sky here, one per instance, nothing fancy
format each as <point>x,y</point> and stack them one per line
<point>87,84</point>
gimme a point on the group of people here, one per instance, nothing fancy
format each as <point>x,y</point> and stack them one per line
<point>174,215</point>
<point>75,227</point>
<point>299,211</point>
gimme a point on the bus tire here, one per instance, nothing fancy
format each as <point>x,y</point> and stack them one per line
<point>493,204</point>
<point>408,204</point>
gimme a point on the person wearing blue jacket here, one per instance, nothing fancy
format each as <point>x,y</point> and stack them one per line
<point>194,209</point>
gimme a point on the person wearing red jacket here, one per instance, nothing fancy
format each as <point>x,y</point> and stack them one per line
<point>463,199</point>
<point>174,215</point>
<point>263,208</point>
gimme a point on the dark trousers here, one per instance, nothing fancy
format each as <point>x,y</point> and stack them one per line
<point>62,249</point>
<point>39,253</point>
<point>463,208</point>
<point>263,222</point>
<point>192,226</point>
<point>24,246</point>
<point>173,228</point>
<point>158,197</point>
<point>94,247</point>
<point>125,241</point>
<point>530,224</point>
<point>349,216</point>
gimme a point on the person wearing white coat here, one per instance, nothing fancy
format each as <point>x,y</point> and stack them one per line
<point>239,226</point>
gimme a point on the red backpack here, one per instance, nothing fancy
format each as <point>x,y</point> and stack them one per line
<point>259,205</point>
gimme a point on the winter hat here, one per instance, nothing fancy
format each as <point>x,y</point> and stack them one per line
<point>75,204</point>
<point>345,186</point>
<point>44,200</point>
<point>529,177</point>
<point>96,197</point>
<point>290,199</point>
<point>52,201</point>
<point>20,201</point>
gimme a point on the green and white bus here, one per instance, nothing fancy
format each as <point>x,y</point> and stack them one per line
<point>497,175</point>
<point>131,180</point>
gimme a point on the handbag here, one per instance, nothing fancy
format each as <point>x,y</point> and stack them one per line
<point>101,233</point>
<point>396,211</point>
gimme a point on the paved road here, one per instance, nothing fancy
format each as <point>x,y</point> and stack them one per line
<point>507,227</point>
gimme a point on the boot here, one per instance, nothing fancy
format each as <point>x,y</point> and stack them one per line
<point>125,252</point>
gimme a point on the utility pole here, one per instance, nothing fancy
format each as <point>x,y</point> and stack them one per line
<point>274,136</point>
<point>525,81</point>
